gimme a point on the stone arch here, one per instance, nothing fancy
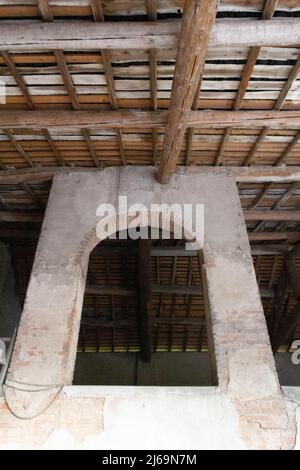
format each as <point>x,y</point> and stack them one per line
<point>33,357</point>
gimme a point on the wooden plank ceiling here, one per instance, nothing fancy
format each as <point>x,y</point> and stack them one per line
<point>239,79</point>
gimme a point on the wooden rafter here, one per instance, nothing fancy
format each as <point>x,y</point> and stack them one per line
<point>278,106</point>
<point>267,14</point>
<point>97,10</point>
<point>63,67</point>
<point>67,79</point>
<point>45,10</point>
<point>24,89</point>
<point>197,24</point>
<point>109,76</point>
<point>11,137</point>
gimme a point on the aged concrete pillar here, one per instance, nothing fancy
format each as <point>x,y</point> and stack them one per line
<point>45,350</point>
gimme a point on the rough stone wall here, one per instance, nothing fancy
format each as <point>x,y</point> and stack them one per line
<point>45,350</point>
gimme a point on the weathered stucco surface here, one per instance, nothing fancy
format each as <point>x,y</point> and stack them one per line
<point>248,405</point>
<point>134,418</point>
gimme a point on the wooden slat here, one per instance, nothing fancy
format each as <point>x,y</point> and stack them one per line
<point>197,23</point>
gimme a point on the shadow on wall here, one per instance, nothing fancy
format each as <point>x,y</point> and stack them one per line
<point>10,308</point>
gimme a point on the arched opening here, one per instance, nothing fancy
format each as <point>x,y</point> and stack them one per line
<point>144,315</point>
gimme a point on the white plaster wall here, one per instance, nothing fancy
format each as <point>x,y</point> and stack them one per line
<point>108,418</point>
<point>293,396</point>
<point>168,419</point>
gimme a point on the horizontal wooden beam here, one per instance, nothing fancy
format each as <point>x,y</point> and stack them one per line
<point>118,119</point>
<point>272,215</point>
<point>83,35</point>
<point>254,174</point>
<point>274,250</point>
<point>274,236</point>
<point>8,216</point>
<point>95,322</point>
<point>157,289</point>
<point>126,292</point>
<point>110,290</point>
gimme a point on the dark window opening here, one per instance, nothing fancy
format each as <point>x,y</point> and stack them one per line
<point>143,320</point>
<point>278,275</point>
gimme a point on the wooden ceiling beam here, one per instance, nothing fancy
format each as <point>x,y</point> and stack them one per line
<point>212,119</point>
<point>272,215</point>
<point>274,236</point>
<point>173,289</point>
<point>197,24</point>
<point>261,174</point>
<point>83,35</point>
<point>249,215</point>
